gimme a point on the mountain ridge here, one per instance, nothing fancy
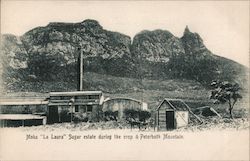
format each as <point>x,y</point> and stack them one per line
<point>50,53</point>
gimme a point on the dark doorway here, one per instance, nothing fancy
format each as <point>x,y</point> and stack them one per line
<point>169,120</point>
<point>53,116</point>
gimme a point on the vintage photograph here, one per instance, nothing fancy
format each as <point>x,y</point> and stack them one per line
<point>126,71</point>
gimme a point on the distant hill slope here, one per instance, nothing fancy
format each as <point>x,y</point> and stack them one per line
<point>50,53</point>
<point>150,91</point>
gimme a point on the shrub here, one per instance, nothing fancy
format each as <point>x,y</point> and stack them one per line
<point>80,117</point>
<point>110,115</point>
<point>131,114</point>
<point>144,115</point>
<point>96,114</point>
<point>136,115</point>
<point>65,116</point>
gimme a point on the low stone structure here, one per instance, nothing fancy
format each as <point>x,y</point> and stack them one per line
<point>120,103</point>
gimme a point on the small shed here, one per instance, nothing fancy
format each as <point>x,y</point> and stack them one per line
<point>172,114</point>
<point>119,104</point>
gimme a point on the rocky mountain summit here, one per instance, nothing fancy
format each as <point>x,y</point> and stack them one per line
<point>156,46</point>
<point>65,38</point>
<point>50,53</point>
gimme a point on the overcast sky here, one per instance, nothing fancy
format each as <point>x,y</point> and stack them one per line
<point>224,25</point>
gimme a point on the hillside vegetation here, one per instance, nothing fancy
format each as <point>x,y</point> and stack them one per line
<point>150,91</point>
<point>151,66</point>
<point>50,53</point>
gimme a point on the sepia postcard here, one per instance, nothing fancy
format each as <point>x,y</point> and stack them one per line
<point>124,80</point>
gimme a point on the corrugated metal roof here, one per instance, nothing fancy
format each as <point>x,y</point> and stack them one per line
<point>75,93</point>
<point>123,98</point>
<point>23,101</point>
<point>67,104</point>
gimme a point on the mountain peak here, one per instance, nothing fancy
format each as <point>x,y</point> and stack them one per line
<point>91,23</point>
<point>186,29</point>
<point>192,40</point>
<point>86,23</point>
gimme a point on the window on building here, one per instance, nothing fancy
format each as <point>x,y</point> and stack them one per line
<point>93,96</point>
<point>81,97</point>
<point>76,108</point>
<point>66,97</point>
<point>89,108</point>
<point>55,98</point>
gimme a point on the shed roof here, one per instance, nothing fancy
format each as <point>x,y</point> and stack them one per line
<point>176,104</point>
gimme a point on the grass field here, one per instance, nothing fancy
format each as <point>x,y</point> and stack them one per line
<point>212,123</point>
<point>147,90</point>
<point>150,91</point>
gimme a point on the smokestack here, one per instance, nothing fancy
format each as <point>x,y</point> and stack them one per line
<point>80,69</point>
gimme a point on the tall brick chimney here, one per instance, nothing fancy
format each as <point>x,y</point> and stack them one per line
<point>80,71</point>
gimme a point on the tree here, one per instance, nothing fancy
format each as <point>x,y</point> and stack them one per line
<point>137,117</point>
<point>144,115</point>
<point>131,114</point>
<point>226,92</point>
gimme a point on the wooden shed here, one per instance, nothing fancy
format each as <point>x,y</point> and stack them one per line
<point>120,103</point>
<point>87,102</point>
<point>172,114</point>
